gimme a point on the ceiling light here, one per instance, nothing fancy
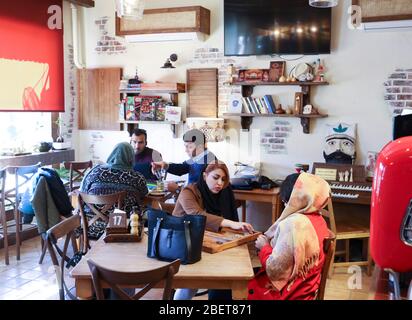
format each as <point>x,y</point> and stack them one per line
<point>323,3</point>
<point>299,30</point>
<point>314,29</point>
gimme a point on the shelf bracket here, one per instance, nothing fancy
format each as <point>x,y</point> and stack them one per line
<point>246,122</point>
<point>173,127</point>
<point>305,122</point>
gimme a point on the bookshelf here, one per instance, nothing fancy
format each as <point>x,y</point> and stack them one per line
<point>247,91</point>
<point>148,89</point>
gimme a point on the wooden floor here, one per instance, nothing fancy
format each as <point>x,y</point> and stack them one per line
<point>27,280</point>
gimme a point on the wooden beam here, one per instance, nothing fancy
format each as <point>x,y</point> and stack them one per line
<point>83,3</point>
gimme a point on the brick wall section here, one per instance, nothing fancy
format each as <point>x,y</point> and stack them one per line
<point>398,91</point>
<point>214,58</point>
<point>68,121</point>
<point>107,44</point>
<point>274,141</point>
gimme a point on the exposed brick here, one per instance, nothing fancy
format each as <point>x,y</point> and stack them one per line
<point>404,97</point>
<point>397,111</point>
<point>399,70</point>
<point>276,140</point>
<point>393,89</point>
<point>397,104</point>
<point>390,97</point>
<point>407,89</point>
<point>398,76</point>
<point>263,140</point>
<point>410,76</point>
<point>281,134</point>
<point>268,134</point>
<point>402,83</point>
<point>387,83</point>
<point>98,22</point>
<point>408,104</point>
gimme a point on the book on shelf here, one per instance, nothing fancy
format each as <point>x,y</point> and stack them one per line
<point>245,105</point>
<point>263,103</point>
<point>122,109</point>
<point>235,104</point>
<point>173,114</point>
<point>132,108</point>
<point>270,102</point>
<point>148,107</point>
<point>160,109</point>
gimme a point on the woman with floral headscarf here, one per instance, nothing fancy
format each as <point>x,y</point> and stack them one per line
<point>291,250</point>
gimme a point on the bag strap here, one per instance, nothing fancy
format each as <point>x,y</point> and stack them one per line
<point>188,240</point>
<point>155,239</point>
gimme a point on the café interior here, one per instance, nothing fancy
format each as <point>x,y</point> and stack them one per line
<point>206,150</point>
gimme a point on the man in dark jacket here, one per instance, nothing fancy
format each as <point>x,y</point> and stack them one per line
<point>144,155</point>
<point>196,149</point>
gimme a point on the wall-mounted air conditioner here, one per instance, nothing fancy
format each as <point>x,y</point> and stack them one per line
<point>395,25</point>
<point>166,24</point>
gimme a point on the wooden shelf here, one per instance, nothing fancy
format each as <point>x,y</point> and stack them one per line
<point>267,83</point>
<point>246,119</point>
<point>247,91</point>
<point>173,125</point>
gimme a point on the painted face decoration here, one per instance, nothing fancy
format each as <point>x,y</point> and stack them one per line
<point>340,144</point>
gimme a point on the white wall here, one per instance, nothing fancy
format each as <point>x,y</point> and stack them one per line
<point>356,69</point>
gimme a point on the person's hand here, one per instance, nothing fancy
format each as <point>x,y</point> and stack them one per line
<point>158,165</point>
<point>241,226</point>
<point>172,186</point>
<point>261,241</point>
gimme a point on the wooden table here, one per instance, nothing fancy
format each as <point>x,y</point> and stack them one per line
<point>259,195</point>
<point>229,269</point>
<point>46,158</point>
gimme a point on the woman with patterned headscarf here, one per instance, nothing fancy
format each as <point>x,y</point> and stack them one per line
<point>115,176</point>
<point>291,250</point>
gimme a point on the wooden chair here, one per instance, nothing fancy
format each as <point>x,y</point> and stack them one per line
<point>345,231</point>
<point>3,215</point>
<point>117,280</point>
<point>22,175</point>
<point>77,171</point>
<point>101,206</point>
<point>65,228</point>
<point>329,251</point>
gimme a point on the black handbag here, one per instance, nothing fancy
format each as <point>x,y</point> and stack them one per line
<point>172,238</point>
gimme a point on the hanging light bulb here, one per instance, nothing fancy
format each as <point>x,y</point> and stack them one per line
<point>130,9</point>
<point>323,3</point>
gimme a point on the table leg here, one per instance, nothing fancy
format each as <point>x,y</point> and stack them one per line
<point>239,290</point>
<point>243,210</point>
<point>84,288</point>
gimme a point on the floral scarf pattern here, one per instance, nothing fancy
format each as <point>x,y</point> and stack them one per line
<point>293,239</point>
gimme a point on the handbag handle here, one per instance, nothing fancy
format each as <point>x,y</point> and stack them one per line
<point>155,239</point>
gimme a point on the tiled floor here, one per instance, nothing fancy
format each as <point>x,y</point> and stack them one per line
<point>27,280</point>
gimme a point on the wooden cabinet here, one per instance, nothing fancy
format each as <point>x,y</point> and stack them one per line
<point>98,96</point>
<point>247,90</point>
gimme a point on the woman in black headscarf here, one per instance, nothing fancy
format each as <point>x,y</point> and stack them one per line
<point>213,197</point>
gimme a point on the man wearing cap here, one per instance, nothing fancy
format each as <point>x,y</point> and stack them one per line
<point>196,149</point>
<point>340,144</point>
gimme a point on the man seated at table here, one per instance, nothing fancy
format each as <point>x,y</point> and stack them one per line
<point>196,149</point>
<point>144,155</point>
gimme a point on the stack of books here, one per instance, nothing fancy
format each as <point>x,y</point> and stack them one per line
<point>263,105</point>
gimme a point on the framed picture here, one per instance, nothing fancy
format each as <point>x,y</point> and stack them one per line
<point>298,103</point>
<point>277,69</point>
<point>253,75</point>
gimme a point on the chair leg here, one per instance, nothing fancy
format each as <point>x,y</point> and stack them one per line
<point>43,250</point>
<point>18,241</point>
<point>347,250</point>
<point>370,261</point>
<point>5,238</point>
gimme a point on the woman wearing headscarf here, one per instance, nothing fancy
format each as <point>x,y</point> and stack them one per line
<point>291,250</point>
<point>213,197</point>
<point>115,176</point>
